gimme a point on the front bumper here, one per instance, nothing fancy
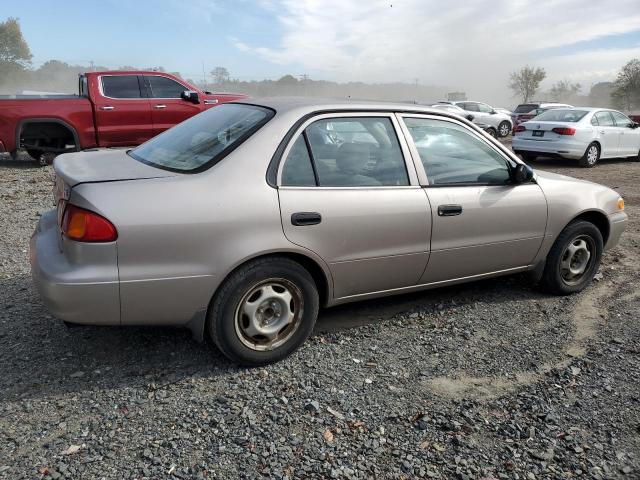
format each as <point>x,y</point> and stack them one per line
<point>78,282</point>
<point>563,148</point>
<point>617,224</point>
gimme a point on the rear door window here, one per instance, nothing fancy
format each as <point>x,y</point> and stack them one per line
<point>121,86</point>
<point>525,107</point>
<point>605,119</point>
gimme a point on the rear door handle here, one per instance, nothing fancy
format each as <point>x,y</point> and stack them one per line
<point>160,106</point>
<point>301,219</point>
<point>449,210</point>
<point>602,132</point>
<point>108,107</point>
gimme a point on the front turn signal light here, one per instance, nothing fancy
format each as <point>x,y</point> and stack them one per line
<point>620,203</point>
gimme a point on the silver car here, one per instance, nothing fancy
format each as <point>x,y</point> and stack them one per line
<point>583,134</point>
<point>241,222</point>
<point>487,114</point>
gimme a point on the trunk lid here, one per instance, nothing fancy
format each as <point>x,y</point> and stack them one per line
<point>103,166</point>
<point>545,130</point>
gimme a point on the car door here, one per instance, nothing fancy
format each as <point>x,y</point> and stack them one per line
<point>481,221</point>
<point>167,106</point>
<point>349,192</point>
<point>122,111</point>
<point>607,133</point>
<point>629,138</point>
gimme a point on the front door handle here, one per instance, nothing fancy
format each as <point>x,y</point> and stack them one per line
<point>449,210</point>
<point>160,106</point>
<point>108,107</point>
<point>602,132</point>
<point>302,219</point>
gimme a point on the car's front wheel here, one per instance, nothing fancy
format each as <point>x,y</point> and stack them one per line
<point>492,131</point>
<point>504,128</point>
<point>573,259</point>
<point>264,311</point>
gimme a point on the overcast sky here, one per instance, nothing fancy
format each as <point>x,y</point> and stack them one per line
<point>471,45</point>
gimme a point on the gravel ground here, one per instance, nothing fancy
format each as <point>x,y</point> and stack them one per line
<point>488,380</point>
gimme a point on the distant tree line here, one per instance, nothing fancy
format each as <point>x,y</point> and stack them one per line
<point>623,93</point>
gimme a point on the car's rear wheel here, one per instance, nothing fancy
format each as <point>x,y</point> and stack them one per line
<point>573,259</point>
<point>504,128</point>
<point>591,156</point>
<point>528,157</point>
<point>264,311</point>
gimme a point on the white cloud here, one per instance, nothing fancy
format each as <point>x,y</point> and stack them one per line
<point>472,46</point>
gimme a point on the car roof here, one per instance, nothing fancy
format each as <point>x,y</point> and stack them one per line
<point>306,105</point>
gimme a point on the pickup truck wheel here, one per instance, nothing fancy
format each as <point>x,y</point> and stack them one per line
<point>35,154</point>
<point>573,259</point>
<point>264,311</point>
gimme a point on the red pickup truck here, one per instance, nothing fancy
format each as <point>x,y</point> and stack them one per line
<point>112,109</point>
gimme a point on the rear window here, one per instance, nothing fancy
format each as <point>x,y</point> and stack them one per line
<point>121,86</point>
<point>201,141</point>
<point>561,115</point>
<point>525,107</point>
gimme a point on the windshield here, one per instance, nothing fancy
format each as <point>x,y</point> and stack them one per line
<point>525,107</point>
<point>203,140</point>
<point>561,115</point>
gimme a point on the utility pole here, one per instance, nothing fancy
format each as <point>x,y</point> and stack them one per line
<point>303,78</point>
<point>204,77</point>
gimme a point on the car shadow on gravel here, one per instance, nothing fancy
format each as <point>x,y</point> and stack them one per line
<point>40,356</point>
<point>550,162</point>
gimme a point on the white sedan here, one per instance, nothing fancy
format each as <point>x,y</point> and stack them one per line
<point>584,134</point>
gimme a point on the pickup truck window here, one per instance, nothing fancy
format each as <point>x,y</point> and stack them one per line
<point>162,87</point>
<point>202,141</point>
<point>121,86</point>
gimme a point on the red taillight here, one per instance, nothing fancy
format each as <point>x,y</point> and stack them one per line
<point>85,226</point>
<point>520,128</point>
<point>564,130</point>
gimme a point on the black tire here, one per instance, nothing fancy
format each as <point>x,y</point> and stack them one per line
<point>35,154</point>
<point>589,159</point>
<point>43,158</point>
<point>492,131</point>
<point>225,319</point>
<point>528,157</point>
<point>504,129</point>
<point>637,157</point>
<point>553,280</point>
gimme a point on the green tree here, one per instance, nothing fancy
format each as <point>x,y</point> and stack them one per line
<point>15,56</point>
<point>626,93</point>
<point>526,82</point>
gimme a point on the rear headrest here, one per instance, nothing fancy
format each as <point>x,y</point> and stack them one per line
<point>352,157</point>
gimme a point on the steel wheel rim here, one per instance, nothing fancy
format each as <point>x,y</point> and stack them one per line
<point>269,314</point>
<point>592,154</point>
<point>504,130</point>
<point>577,259</point>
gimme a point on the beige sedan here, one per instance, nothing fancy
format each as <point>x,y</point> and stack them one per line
<point>243,221</point>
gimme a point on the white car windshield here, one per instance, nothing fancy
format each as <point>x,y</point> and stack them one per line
<point>561,115</point>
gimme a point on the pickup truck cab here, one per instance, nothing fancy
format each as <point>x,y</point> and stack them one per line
<point>111,109</point>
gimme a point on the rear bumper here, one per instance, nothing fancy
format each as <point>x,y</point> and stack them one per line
<point>80,285</point>
<point>617,224</point>
<point>564,148</point>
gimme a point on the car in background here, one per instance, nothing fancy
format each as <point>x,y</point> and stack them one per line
<point>506,111</point>
<point>583,134</point>
<point>111,109</point>
<point>242,221</point>
<point>492,131</point>
<point>527,111</point>
<point>484,113</point>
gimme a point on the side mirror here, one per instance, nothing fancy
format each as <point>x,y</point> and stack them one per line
<point>492,112</point>
<point>634,125</point>
<point>470,117</point>
<point>190,96</point>
<point>523,173</point>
